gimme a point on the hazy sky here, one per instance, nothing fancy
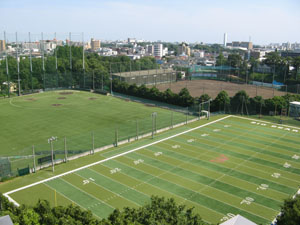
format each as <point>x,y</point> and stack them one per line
<point>266,21</point>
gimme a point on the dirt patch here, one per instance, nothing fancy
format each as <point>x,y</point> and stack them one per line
<point>92,98</point>
<point>56,105</point>
<point>30,99</point>
<point>127,100</point>
<point>61,98</point>
<point>66,93</point>
<point>213,87</point>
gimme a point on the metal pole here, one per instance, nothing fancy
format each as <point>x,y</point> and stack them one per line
<point>137,130</point>
<point>273,80</point>
<point>208,110</point>
<point>110,78</point>
<point>260,109</point>
<point>93,141</point>
<point>171,119</point>
<point>33,153</point>
<point>66,152</point>
<point>83,66</point>
<point>56,65</point>
<point>93,80</point>
<point>70,36</point>
<point>116,137</point>
<point>102,81</point>
<point>52,157</point>
<point>298,88</point>
<point>30,61</point>
<point>199,111</point>
<point>18,64</point>
<point>187,112</point>
<point>43,57</point>
<point>152,126</point>
<point>7,73</point>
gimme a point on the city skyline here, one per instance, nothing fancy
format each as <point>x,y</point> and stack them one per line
<point>191,21</point>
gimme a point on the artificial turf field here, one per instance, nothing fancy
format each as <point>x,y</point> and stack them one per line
<point>32,119</point>
<point>225,167</point>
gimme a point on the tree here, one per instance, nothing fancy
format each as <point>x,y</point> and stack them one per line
<point>221,61</point>
<point>204,98</point>
<point>290,212</point>
<point>239,102</point>
<point>221,101</point>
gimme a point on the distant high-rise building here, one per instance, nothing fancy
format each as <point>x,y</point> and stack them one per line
<point>158,50</point>
<point>150,49</point>
<point>183,48</point>
<point>95,44</point>
<point>225,40</point>
<point>237,44</point>
<point>2,45</point>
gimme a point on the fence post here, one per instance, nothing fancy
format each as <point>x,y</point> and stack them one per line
<point>137,130</point>
<point>171,119</point>
<point>187,112</point>
<point>93,143</point>
<point>116,137</point>
<point>65,146</point>
<point>33,153</point>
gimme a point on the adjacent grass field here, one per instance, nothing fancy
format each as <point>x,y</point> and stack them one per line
<point>31,120</point>
<point>225,167</point>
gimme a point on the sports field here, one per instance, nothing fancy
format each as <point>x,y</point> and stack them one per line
<point>225,167</point>
<point>33,119</point>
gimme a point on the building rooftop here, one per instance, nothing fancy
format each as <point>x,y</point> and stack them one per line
<point>238,220</point>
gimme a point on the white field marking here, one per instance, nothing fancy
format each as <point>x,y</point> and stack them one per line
<point>256,163</point>
<point>247,200</point>
<point>205,185</point>
<point>260,170</point>
<point>294,130</point>
<point>70,199</point>
<point>263,187</point>
<point>204,135</point>
<point>128,187</point>
<point>197,192</point>
<point>114,194</point>
<point>112,157</point>
<point>240,117</point>
<point>136,162</point>
<point>191,140</point>
<point>176,146</point>
<point>227,217</point>
<point>295,157</point>
<point>247,173</point>
<point>92,196</point>
<point>274,126</point>
<point>276,175</point>
<point>158,153</point>
<point>155,176</point>
<point>287,165</point>
<point>216,130</point>
<point>280,127</point>
<point>219,174</point>
<point>253,122</point>
<point>84,182</point>
<point>115,170</point>
<point>227,126</point>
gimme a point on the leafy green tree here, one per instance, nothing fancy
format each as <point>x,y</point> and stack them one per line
<point>240,102</point>
<point>290,212</point>
<point>221,102</point>
<point>204,98</point>
<point>221,60</point>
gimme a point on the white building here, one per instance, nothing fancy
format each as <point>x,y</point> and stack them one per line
<point>199,54</point>
<point>158,50</point>
<point>225,40</point>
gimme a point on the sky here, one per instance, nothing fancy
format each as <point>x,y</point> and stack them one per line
<point>265,21</point>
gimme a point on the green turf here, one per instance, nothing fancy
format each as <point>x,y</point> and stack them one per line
<point>32,119</point>
<point>189,169</point>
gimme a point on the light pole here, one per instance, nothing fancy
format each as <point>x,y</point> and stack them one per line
<point>50,141</point>
<point>154,114</point>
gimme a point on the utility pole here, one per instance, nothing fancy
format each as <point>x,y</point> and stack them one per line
<point>7,73</point>
<point>56,65</point>
<point>83,66</point>
<point>110,79</point>
<point>70,36</point>
<point>30,61</point>
<point>18,64</point>
<point>33,154</point>
<point>43,57</point>
<point>154,114</point>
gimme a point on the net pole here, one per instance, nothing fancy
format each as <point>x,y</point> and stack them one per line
<point>70,36</point>
<point>18,64</point>
<point>65,147</point>
<point>52,155</point>
<point>83,66</point>
<point>93,143</point>
<point>30,61</point>
<point>7,71</point>
<point>33,153</point>
<point>171,119</point>
<point>116,137</point>
<point>137,130</point>
<point>56,65</point>
<point>208,116</point>
<point>43,60</point>
<point>186,116</point>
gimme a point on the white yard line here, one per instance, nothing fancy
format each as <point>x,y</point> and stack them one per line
<point>245,118</point>
<point>104,160</point>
